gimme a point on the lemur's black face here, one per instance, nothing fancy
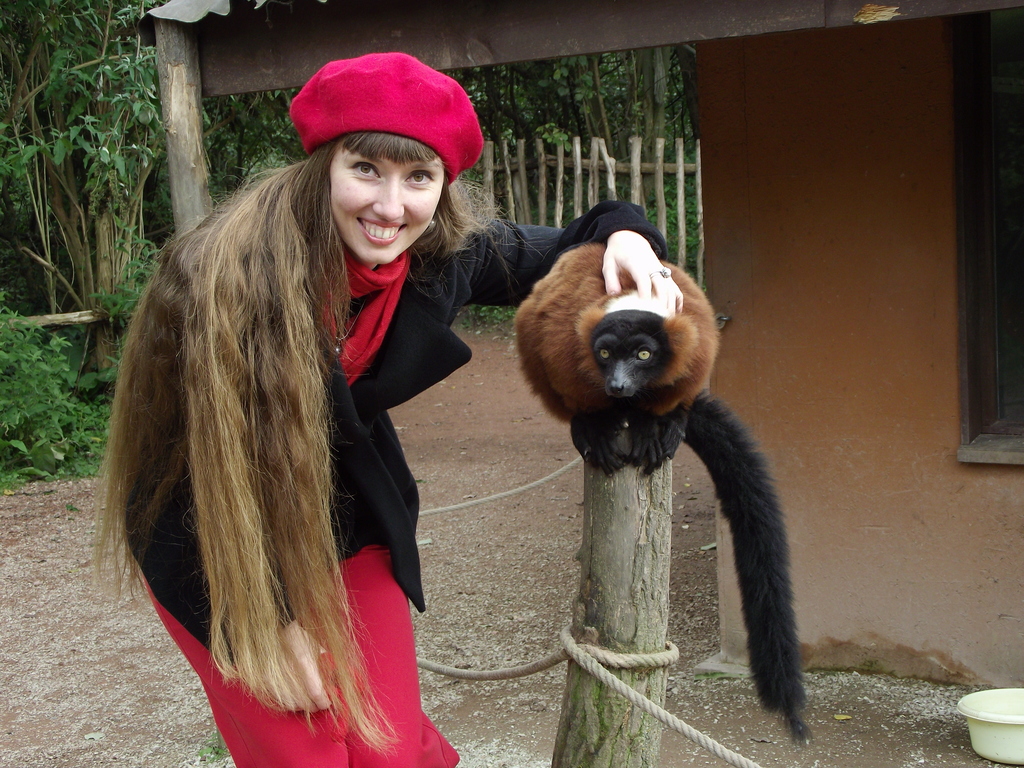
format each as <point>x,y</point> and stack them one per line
<point>631,350</point>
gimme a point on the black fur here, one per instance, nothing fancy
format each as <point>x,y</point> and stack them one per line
<point>620,336</point>
<point>653,440</point>
<point>645,397</point>
<point>616,342</point>
<point>748,501</point>
<point>595,436</point>
<point>746,491</point>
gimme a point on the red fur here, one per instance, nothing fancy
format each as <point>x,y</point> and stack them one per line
<point>554,324</point>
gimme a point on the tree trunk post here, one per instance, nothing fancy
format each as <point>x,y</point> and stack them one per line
<point>105,275</point>
<point>622,606</point>
<point>181,103</point>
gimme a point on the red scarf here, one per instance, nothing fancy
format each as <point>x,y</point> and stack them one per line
<point>380,289</point>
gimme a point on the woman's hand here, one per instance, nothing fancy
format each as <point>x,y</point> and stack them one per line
<point>313,697</point>
<point>629,252</point>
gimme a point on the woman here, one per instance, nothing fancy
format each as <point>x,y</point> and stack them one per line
<point>250,445</point>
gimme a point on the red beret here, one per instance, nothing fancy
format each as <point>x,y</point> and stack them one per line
<point>391,93</point>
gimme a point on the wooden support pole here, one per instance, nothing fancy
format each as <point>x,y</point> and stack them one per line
<point>636,184</point>
<point>594,187</point>
<point>559,183</point>
<point>181,104</point>
<point>488,169</point>
<point>609,166</point>
<point>622,606</point>
<point>680,206</point>
<point>700,222</point>
<point>510,198</point>
<point>523,193</point>
<point>577,191</point>
<point>542,183</point>
<point>659,185</point>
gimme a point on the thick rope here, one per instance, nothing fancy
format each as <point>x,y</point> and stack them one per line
<point>495,674</point>
<point>665,658</point>
<point>590,658</point>
<point>607,658</point>
<point>503,494</point>
<point>591,665</point>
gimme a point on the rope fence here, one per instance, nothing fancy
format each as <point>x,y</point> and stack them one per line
<point>504,494</point>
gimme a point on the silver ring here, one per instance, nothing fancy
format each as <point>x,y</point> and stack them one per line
<point>663,272</point>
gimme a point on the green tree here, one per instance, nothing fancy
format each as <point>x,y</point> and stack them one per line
<point>80,137</point>
<point>650,93</point>
<point>246,134</point>
<point>47,428</point>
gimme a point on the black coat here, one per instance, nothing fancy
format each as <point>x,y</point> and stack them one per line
<point>376,500</point>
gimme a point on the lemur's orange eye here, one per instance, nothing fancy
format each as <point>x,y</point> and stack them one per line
<point>644,354</point>
<point>604,353</point>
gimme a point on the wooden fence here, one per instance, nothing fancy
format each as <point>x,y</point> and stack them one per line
<point>522,184</point>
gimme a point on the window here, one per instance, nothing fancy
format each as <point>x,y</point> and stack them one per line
<point>989,51</point>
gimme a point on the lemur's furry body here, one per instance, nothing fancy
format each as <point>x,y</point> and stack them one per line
<point>555,323</point>
<point>606,363</point>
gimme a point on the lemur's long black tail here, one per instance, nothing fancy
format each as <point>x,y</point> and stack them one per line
<point>748,500</point>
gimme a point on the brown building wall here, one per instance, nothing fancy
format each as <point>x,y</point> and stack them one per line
<point>829,198</point>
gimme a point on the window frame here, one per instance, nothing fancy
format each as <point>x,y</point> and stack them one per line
<point>984,437</point>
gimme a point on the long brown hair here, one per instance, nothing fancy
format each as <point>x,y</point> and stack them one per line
<point>222,388</point>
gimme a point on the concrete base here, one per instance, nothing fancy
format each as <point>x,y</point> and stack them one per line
<point>717,665</point>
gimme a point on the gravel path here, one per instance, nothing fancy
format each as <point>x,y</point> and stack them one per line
<point>87,682</point>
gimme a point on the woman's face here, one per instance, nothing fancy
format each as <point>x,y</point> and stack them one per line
<point>381,207</point>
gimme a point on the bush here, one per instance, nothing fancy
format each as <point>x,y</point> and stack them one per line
<point>47,429</point>
<point>477,317</point>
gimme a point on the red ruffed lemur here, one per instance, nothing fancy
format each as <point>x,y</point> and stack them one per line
<point>609,364</point>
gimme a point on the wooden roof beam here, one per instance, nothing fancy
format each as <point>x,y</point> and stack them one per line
<point>281,45</point>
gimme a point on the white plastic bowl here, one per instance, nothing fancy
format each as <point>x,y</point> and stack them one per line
<point>995,719</point>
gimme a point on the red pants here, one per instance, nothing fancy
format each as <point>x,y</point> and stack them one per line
<point>258,737</point>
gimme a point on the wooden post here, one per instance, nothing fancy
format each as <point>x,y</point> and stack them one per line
<point>659,185</point>
<point>559,182</point>
<point>510,198</point>
<point>680,204</point>
<point>108,270</point>
<point>594,185</point>
<point>622,606</point>
<point>542,183</point>
<point>636,183</point>
<point>609,165</point>
<point>488,169</point>
<point>700,221</point>
<point>523,192</point>
<point>181,103</point>
<point>577,191</point>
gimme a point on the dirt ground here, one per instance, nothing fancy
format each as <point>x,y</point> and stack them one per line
<point>85,682</point>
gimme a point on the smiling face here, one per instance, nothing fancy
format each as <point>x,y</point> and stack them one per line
<point>380,206</point>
